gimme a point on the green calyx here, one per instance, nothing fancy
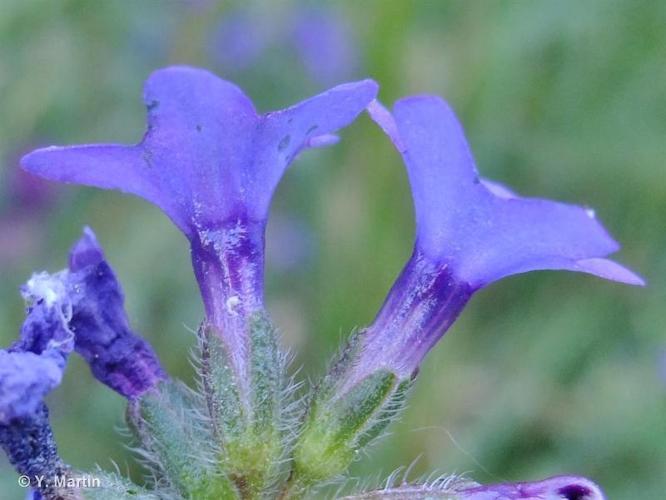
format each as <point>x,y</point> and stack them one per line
<point>178,442</point>
<point>230,439</point>
<point>337,428</point>
<point>247,426</point>
<point>227,440</point>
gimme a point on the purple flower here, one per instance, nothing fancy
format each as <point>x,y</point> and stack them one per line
<point>554,488</point>
<point>117,356</point>
<point>558,487</point>
<point>470,233</point>
<point>211,163</point>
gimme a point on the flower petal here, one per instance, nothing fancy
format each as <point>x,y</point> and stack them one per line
<point>106,166</point>
<point>286,133</point>
<point>198,144</point>
<point>482,229</point>
<point>207,157</point>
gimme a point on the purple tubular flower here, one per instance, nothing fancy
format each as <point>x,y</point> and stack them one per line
<point>480,229</point>
<point>555,488</point>
<point>470,232</point>
<point>116,355</point>
<point>211,163</point>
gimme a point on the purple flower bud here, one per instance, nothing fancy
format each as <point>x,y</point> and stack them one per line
<point>116,355</point>
<point>470,233</point>
<point>211,163</point>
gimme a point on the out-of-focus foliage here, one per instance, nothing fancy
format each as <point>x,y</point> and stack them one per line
<point>543,374</point>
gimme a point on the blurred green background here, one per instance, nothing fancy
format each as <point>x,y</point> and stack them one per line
<point>543,374</point>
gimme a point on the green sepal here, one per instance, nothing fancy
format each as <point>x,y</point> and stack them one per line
<point>221,386</point>
<point>178,441</point>
<point>266,374</point>
<point>388,413</point>
<point>338,427</point>
<point>248,427</point>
